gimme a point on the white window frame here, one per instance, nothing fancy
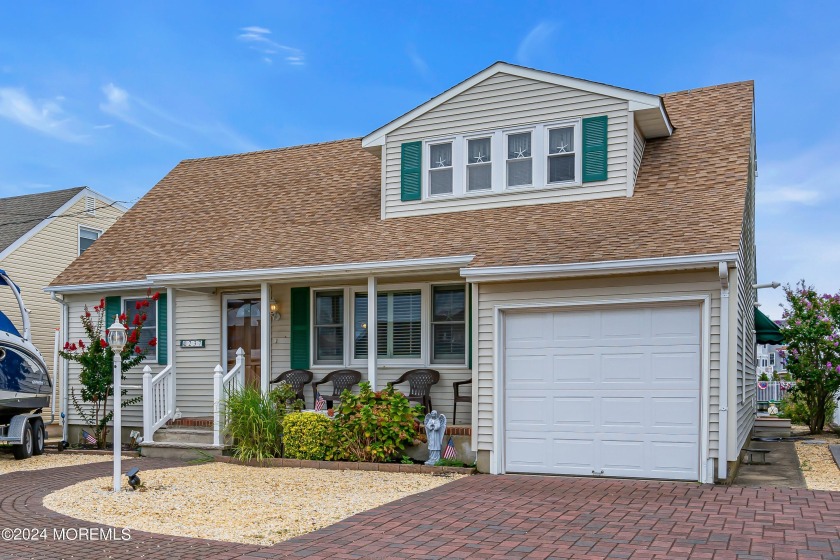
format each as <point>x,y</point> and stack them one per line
<point>148,358</point>
<point>79,229</point>
<point>466,321</point>
<point>313,332</point>
<point>578,152</point>
<point>493,152</point>
<point>498,149</point>
<point>457,163</point>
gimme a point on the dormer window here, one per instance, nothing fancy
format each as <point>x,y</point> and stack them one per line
<point>520,166</point>
<point>440,168</point>
<point>561,154</point>
<point>479,165</point>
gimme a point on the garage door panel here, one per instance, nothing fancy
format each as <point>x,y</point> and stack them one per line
<point>574,413</point>
<point>525,327</point>
<point>618,390</point>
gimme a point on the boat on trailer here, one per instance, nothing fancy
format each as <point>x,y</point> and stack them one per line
<point>25,385</point>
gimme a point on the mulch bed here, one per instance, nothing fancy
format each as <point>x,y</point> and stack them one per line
<point>347,465</point>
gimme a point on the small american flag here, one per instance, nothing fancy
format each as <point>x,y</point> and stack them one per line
<point>449,452</point>
<point>88,438</point>
<point>320,403</point>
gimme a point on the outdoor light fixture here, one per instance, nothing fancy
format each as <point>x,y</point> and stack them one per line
<point>773,285</point>
<point>133,479</point>
<point>275,310</point>
<point>117,339</point>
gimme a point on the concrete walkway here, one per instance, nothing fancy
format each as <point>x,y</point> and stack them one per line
<point>781,471</point>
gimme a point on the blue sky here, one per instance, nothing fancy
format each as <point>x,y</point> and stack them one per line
<point>112,96</point>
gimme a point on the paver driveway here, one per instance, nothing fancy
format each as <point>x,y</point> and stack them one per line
<point>492,517</point>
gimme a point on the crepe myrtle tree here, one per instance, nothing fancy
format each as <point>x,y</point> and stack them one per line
<point>811,329</point>
<point>96,359</point>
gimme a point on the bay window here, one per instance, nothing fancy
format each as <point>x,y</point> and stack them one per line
<point>329,327</point>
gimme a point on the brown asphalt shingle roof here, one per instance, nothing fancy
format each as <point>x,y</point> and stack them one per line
<point>320,204</point>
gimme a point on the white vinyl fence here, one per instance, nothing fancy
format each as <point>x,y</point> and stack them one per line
<point>772,391</point>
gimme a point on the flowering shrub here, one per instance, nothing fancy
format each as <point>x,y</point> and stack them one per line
<point>811,328</point>
<point>373,426</point>
<point>96,359</point>
<point>306,435</point>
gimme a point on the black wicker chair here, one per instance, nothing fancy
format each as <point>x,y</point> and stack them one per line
<point>459,397</point>
<point>420,383</point>
<point>341,379</point>
<point>297,378</point>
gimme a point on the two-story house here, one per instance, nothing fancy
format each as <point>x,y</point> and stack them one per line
<point>40,234</point>
<point>583,253</point>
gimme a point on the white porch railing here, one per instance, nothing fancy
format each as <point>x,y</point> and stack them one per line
<point>772,391</point>
<point>158,400</point>
<point>224,383</point>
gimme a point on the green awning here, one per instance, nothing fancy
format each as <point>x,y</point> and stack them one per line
<point>766,331</point>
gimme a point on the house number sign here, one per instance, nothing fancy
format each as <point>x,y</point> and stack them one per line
<point>195,343</point>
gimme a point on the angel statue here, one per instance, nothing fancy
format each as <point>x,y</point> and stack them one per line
<point>435,425</point>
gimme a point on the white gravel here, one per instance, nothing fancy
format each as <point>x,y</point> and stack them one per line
<point>236,503</point>
<point>818,466</point>
<point>50,460</point>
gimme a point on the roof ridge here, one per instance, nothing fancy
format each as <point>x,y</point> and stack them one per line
<point>269,150</point>
<point>44,193</point>
<point>707,88</point>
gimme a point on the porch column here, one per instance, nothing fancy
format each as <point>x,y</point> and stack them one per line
<point>265,336</point>
<point>173,340</point>
<point>371,331</point>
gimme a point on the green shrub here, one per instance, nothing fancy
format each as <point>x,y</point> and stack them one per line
<point>795,406</point>
<point>374,426</point>
<point>306,436</point>
<point>255,423</point>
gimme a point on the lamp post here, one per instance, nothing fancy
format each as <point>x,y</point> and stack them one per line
<point>116,340</point>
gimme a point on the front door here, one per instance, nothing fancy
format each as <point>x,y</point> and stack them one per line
<point>242,330</point>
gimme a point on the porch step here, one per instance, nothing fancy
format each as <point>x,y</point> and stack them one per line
<point>178,434</point>
<point>768,426</point>
<point>179,450</point>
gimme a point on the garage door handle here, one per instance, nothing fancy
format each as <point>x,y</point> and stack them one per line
<point>597,473</point>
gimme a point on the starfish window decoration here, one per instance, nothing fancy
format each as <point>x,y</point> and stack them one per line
<point>561,149</point>
<point>441,162</point>
<point>520,153</point>
<point>479,158</point>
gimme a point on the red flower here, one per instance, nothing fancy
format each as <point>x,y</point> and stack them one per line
<point>145,303</point>
<point>123,317</point>
<point>87,313</point>
<point>81,344</point>
<point>67,346</point>
<point>136,320</point>
<point>138,305</point>
<point>102,303</point>
<point>96,308</point>
<point>156,296</point>
<point>153,342</point>
<point>144,317</point>
<point>102,343</point>
<point>73,347</point>
<point>138,350</point>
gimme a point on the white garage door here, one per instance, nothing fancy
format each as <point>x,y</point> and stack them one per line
<point>609,392</point>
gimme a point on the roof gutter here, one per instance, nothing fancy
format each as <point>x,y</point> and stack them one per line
<point>628,266</point>
<point>99,287</point>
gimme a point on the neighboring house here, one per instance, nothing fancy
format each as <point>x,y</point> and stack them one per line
<point>40,234</point>
<point>769,362</point>
<point>584,253</point>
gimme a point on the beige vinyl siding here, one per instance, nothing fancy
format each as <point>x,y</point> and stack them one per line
<point>500,102</point>
<point>132,416</point>
<point>638,152</point>
<point>39,260</point>
<point>197,316</point>
<point>623,287</point>
<point>747,276</point>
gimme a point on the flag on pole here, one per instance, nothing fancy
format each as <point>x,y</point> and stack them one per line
<point>320,403</point>
<point>449,452</point>
<point>88,438</point>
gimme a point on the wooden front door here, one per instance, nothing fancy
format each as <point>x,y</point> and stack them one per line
<point>242,324</point>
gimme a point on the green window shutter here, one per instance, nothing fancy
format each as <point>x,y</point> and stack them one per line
<point>113,306</point>
<point>299,351</point>
<point>411,171</point>
<point>595,149</point>
<point>162,333</point>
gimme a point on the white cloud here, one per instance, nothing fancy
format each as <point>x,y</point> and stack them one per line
<point>535,43</point>
<point>788,195</point>
<point>119,104</point>
<point>46,117</point>
<point>417,61</point>
<point>257,38</point>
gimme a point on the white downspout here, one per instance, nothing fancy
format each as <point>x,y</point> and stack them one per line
<point>65,370</point>
<point>723,402</point>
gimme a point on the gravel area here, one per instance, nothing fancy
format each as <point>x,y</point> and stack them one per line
<point>50,460</point>
<point>236,503</point>
<point>818,466</point>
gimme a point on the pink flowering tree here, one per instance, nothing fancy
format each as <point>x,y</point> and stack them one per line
<point>96,359</point>
<point>811,328</point>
